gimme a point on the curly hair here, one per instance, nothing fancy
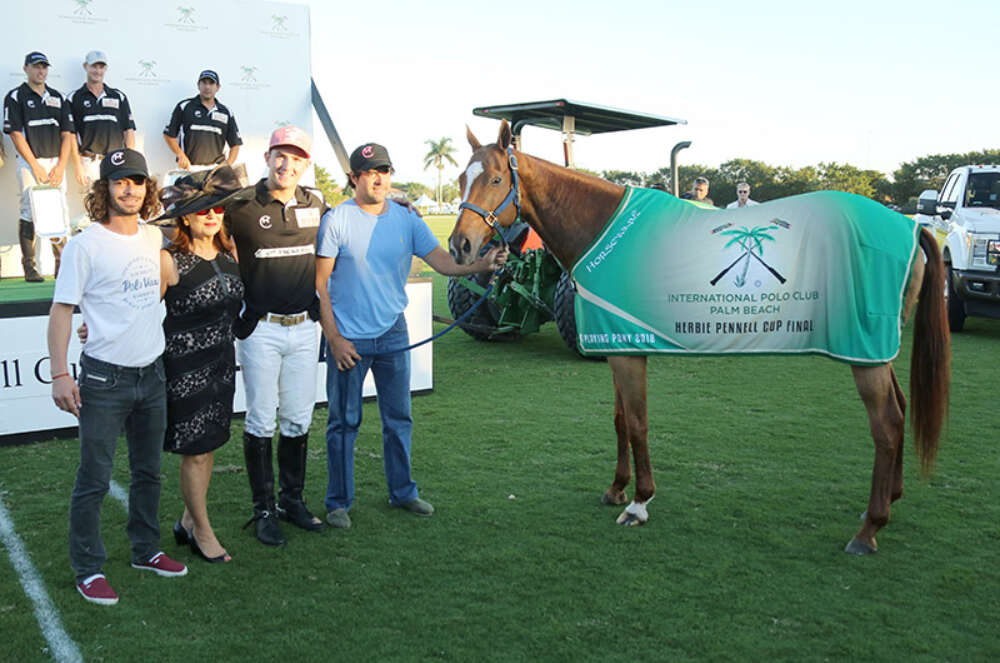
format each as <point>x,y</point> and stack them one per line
<point>97,202</point>
<point>182,238</point>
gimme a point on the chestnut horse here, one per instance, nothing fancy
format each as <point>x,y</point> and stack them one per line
<point>568,209</point>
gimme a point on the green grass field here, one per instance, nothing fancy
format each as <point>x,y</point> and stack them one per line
<point>762,464</point>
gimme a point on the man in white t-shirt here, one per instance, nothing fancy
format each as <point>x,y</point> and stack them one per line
<point>112,272</point>
<point>742,197</point>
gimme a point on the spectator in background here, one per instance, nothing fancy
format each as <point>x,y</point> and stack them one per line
<point>742,197</point>
<point>699,191</point>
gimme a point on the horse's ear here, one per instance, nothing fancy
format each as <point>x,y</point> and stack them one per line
<point>503,139</point>
<point>473,141</point>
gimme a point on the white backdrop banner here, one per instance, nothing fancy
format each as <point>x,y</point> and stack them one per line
<point>26,393</point>
<point>156,50</point>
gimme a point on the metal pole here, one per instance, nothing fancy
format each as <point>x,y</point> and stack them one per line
<point>568,129</point>
<point>331,131</point>
<point>673,162</point>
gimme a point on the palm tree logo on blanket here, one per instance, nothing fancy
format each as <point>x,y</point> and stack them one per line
<point>751,240</point>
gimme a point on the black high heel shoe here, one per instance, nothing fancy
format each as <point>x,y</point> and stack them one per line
<point>181,535</point>
<point>224,557</point>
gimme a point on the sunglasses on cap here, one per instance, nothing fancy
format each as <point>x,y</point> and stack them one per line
<point>385,170</point>
<point>217,210</point>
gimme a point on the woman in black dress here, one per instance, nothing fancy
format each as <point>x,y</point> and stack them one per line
<point>200,283</point>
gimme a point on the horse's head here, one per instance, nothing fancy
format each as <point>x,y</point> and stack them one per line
<point>489,188</point>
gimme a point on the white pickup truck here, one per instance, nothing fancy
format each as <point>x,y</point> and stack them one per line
<point>966,213</point>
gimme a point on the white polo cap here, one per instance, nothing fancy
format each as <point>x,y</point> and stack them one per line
<point>96,56</point>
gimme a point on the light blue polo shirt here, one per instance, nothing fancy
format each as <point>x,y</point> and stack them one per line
<point>368,284</point>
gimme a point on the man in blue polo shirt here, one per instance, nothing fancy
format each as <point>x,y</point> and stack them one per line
<point>363,255</point>
<point>201,127</point>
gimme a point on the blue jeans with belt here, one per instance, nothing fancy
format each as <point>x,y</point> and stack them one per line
<point>115,397</point>
<point>344,393</point>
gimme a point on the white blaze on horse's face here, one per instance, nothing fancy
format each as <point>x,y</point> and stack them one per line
<point>474,170</point>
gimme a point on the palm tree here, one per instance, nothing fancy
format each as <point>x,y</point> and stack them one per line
<point>749,240</point>
<point>441,151</point>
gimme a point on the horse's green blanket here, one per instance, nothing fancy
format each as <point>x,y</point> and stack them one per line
<point>823,272</point>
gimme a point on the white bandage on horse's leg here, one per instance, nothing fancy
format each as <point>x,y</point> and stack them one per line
<point>636,510</point>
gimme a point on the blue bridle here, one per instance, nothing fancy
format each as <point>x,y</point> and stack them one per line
<point>513,196</point>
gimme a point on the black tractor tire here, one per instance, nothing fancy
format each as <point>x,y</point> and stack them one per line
<point>461,299</point>
<point>563,306</point>
<point>956,308</point>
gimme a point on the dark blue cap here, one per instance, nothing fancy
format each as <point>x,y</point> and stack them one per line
<point>36,57</point>
<point>209,74</point>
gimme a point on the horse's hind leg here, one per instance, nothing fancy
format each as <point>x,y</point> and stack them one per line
<point>880,392</point>
<point>631,425</point>
<point>897,475</point>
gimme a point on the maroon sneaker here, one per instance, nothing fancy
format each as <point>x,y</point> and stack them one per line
<point>162,565</point>
<point>97,590</point>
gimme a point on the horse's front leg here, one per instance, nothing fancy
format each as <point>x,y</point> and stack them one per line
<point>631,426</point>
<point>616,494</point>
<point>886,419</point>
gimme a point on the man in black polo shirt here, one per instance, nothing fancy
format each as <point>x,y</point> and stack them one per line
<point>40,125</point>
<point>201,127</point>
<point>274,225</point>
<point>102,117</point>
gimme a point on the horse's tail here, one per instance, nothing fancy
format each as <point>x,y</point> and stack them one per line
<point>930,363</point>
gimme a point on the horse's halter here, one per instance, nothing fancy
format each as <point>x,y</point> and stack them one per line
<point>513,196</point>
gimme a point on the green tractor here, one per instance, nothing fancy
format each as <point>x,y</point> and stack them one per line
<point>533,288</point>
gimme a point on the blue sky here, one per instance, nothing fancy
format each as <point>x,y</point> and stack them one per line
<point>869,83</point>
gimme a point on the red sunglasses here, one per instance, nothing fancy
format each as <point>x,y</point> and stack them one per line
<point>217,210</point>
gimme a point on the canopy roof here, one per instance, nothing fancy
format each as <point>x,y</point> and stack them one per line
<point>588,118</point>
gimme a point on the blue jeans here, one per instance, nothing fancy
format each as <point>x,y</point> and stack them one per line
<point>115,397</point>
<point>343,392</point>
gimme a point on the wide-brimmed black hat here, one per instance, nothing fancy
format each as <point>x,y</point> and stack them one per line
<point>200,191</point>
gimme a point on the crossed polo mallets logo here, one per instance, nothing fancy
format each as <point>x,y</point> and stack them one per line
<point>751,240</point>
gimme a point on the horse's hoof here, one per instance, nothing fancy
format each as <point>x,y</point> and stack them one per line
<point>614,498</point>
<point>634,514</point>
<point>858,547</point>
<point>629,520</point>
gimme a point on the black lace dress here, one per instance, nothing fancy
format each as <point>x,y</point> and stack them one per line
<point>199,358</point>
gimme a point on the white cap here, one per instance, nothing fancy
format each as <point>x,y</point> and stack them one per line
<point>96,56</point>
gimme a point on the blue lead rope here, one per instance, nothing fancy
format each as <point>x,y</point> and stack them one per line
<point>438,335</point>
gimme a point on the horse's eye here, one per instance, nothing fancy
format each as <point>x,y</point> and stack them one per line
<point>496,180</point>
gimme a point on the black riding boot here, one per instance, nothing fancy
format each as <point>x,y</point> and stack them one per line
<point>260,471</point>
<point>292,480</point>
<point>26,233</point>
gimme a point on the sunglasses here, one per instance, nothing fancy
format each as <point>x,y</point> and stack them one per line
<point>217,210</point>
<point>385,170</point>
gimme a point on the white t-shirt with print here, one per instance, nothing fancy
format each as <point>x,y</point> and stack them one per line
<point>115,279</point>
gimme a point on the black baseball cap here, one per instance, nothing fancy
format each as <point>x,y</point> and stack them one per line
<point>369,157</point>
<point>210,75</point>
<point>123,163</point>
<point>36,57</point>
